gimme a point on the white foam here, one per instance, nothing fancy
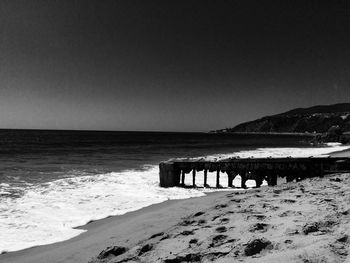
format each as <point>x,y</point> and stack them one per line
<point>49,212</point>
<point>282,152</point>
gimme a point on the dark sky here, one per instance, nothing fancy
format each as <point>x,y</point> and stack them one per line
<point>168,65</point>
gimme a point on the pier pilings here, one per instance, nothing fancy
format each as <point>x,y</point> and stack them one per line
<point>173,173</point>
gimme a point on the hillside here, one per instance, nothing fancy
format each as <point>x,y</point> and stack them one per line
<point>314,119</point>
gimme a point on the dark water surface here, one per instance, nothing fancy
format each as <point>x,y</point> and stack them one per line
<point>37,156</point>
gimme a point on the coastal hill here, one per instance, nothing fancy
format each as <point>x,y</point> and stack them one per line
<point>314,119</point>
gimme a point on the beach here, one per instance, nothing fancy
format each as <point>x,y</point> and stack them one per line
<point>73,218</point>
<point>52,182</point>
<point>127,229</point>
<point>304,221</point>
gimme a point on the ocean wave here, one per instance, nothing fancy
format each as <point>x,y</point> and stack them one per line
<point>281,152</point>
<point>50,212</point>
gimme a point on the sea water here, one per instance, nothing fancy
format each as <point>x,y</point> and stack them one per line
<point>53,181</point>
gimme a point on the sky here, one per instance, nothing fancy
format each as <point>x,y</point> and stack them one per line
<point>168,65</point>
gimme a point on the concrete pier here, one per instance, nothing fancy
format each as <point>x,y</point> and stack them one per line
<point>172,173</point>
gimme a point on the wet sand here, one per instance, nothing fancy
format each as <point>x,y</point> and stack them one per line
<point>305,221</point>
<point>345,153</point>
<point>127,229</point>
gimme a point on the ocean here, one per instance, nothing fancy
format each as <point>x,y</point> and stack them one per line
<point>53,181</point>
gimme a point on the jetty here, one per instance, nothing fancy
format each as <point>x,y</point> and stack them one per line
<point>173,172</point>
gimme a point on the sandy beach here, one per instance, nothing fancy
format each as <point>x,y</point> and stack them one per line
<point>305,221</point>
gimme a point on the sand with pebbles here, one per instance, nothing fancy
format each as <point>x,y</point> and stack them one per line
<point>307,221</point>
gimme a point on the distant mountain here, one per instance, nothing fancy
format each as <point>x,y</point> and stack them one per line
<point>314,119</point>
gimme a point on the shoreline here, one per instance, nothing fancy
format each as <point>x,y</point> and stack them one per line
<point>343,153</point>
<point>299,220</point>
<point>99,232</point>
<point>268,133</point>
